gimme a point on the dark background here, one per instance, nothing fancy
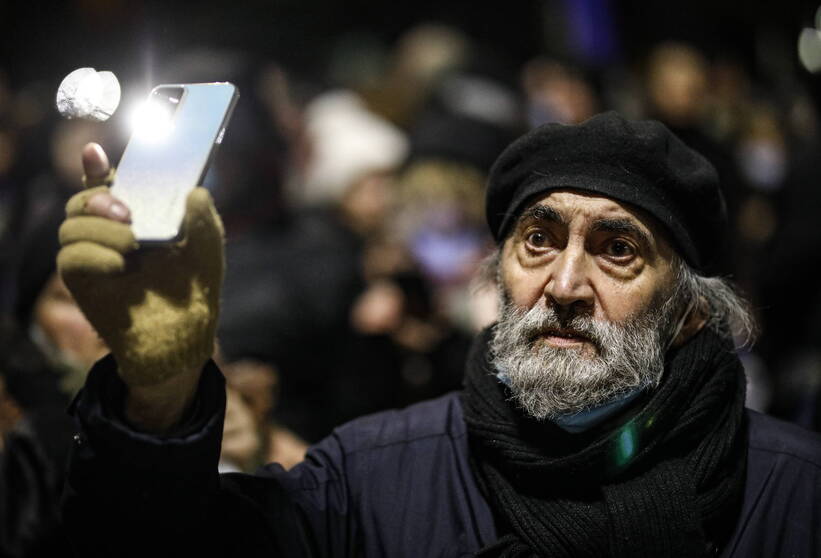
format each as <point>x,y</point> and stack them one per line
<point>46,40</point>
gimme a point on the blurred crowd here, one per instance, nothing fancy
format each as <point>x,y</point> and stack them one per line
<point>353,205</point>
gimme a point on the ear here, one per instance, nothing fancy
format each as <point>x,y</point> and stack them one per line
<point>695,321</point>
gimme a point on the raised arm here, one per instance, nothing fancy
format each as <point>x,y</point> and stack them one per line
<point>155,308</point>
<point>143,472</point>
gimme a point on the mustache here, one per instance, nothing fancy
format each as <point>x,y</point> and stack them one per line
<point>540,321</point>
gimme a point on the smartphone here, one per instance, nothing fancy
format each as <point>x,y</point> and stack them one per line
<point>175,135</point>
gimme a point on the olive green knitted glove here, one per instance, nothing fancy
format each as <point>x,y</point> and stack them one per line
<point>156,307</point>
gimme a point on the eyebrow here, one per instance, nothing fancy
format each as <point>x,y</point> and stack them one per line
<point>618,226</point>
<point>622,226</point>
<point>543,213</point>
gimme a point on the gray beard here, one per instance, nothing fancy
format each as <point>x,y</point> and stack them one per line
<point>547,382</point>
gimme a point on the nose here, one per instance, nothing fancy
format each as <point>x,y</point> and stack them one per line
<point>568,284</point>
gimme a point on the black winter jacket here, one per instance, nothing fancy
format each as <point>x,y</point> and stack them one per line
<point>395,484</point>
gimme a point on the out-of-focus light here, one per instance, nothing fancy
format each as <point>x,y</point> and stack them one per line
<point>151,121</point>
<point>809,49</point>
<point>627,446</point>
<point>87,93</point>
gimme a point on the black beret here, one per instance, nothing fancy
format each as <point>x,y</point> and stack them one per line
<point>638,162</point>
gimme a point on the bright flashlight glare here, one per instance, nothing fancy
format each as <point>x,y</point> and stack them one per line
<point>151,121</point>
<point>809,49</point>
<point>87,93</point>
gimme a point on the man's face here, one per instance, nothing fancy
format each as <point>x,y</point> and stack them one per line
<point>585,281</point>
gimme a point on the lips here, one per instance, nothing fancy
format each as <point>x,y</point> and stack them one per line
<point>567,334</point>
<point>566,338</point>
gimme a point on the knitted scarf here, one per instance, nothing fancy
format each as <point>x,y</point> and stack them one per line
<point>665,482</point>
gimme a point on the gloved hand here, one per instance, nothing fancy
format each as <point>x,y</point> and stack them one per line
<point>156,308</point>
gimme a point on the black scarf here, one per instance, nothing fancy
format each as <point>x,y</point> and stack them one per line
<point>667,482</point>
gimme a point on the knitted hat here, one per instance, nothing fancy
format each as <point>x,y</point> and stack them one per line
<point>638,162</point>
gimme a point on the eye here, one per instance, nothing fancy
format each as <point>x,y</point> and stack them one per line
<point>620,250</point>
<point>537,239</point>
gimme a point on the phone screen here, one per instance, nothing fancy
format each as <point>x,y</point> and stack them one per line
<point>168,153</point>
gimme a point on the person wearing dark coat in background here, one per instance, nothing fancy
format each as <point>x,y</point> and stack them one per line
<point>36,436</point>
<point>45,353</point>
<point>602,415</point>
<point>401,352</point>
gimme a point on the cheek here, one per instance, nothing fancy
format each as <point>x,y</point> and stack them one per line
<point>621,301</point>
<point>618,301</point>
<point>524,286</point>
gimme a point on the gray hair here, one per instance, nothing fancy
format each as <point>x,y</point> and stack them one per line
<point>727,312</point>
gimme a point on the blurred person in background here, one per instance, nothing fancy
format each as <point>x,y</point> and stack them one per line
<point>438,220</point>
<point>345,141</point>
<point>301,186</point>
<point>556,93</point>
<point>293,285</point>
<point>402,350</point>
<point>48,345</point>
<point>791,345</point>
<point>469,117</point>
<point>423,56</point>
<point>677,85</point>
<point>47,190</point>
<point>250,437</point>
<point>37,174</point>
<point>729,100</point>
<point>677,93</point>
<point>35,436</point>
<point>46,352</point>
<point>46,311</point>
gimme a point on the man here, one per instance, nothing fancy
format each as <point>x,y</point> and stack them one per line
<point>602,416</point>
